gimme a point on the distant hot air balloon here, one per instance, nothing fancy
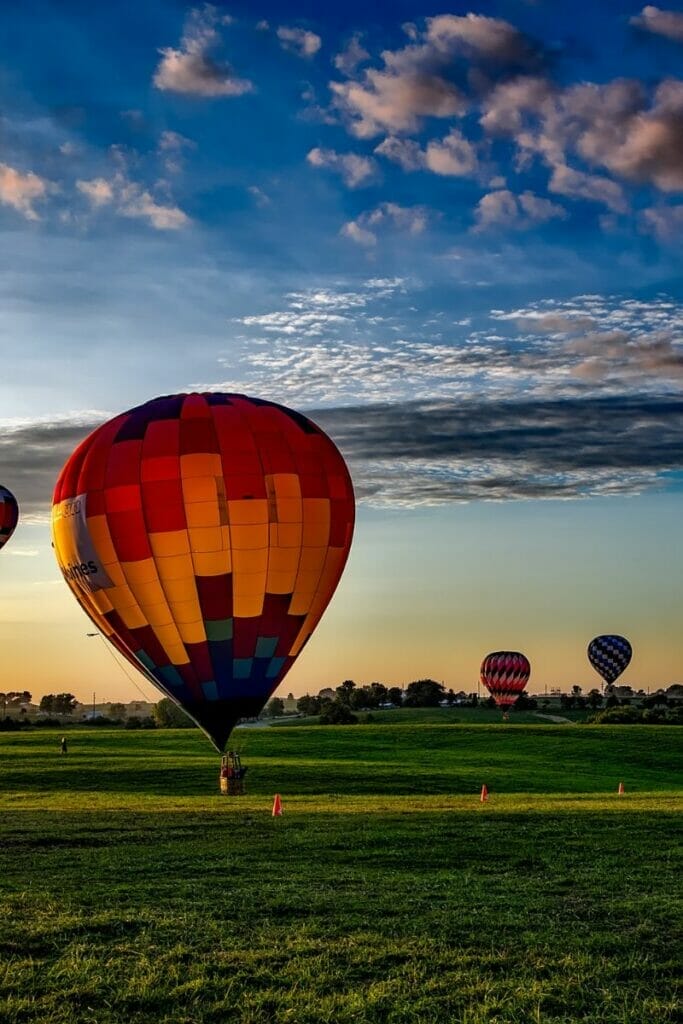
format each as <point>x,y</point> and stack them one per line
<point>609,655</point>
<point>9,515</point>
<point>505,674</point>
<point>204,535</point>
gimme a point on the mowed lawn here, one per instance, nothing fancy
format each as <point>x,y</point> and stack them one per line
<point>131,892</point>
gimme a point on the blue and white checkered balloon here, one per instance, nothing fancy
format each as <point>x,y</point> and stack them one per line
<point>609,655</point>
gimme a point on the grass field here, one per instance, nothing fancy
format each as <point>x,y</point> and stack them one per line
<point>131,892</point>
<point>449,716</point>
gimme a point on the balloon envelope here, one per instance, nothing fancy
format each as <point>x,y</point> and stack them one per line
<point>204,535</point>
<point>609,655</point>
<point>9,515</point>
<point>505,674</point>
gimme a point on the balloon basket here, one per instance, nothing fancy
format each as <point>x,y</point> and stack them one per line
<point>232,775</point>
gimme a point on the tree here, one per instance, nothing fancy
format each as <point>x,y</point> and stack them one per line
<point>15,697</point>
<point>344,690</point>
<point>336,713</point>
<point>576,690</point>
<point>167,715</point>
<point>275,708</point>
<point>594,699</point>
<point>308,705</point>
<point>424,693</point>
<point>117,710</point>
<point>395,695</point>
<point>58,703</point>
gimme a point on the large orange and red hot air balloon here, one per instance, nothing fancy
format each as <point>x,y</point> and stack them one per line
<point>505,674</point>
<point>9,515</point>
<point>204,535</point>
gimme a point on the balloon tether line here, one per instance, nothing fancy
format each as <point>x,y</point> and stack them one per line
<point>123,668</point>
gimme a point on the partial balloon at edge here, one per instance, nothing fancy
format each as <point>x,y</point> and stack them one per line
<point>9,515</point>
<point>204,535</point>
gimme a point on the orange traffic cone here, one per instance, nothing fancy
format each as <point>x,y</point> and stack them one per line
<point>620,791</point>
<point>277,806</point>
<point>484,794</point>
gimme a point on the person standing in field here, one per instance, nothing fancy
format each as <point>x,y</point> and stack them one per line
<point>62,745</point>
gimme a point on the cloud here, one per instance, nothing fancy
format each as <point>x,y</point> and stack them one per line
<point>354,230</point>
<point>481,38</point>
<point>261,198</point>
<point>567,181</point>
<point>299,41</point>
<point>98,191</point>
<point>355,170</point>
<point>434,452</point>
<point>665,222</point>
<point>619,126</point>
<point>140,204</point>
<point>422,79</point>
<point>430,453</point>
<point>22,190</point>
<point>32,452</point>
<point>130,199</point>
<point>451,156</point>
<point>362,230</point>
<point>518,212</point>
<point>387,101</point>
<point>372,345</point>
<point>351,56</point>
<point>191,70</point>
<point>620,354</point>
<point>662,23</point>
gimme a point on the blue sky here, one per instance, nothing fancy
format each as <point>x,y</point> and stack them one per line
<point>453,234</point>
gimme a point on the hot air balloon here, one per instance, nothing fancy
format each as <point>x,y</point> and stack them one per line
<point>609,655</point>
<point>505,674</point>
<point>9,515</point>
<point>204,535</point>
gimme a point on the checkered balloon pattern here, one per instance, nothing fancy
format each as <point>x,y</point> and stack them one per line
<point>204,535</point>
<point>609,655</point>
<point>505,674</point>
<point>9,515</point>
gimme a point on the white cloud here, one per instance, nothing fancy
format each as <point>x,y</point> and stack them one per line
<point>663,23</point>
<point>665,222</point>
<point>260,197</point>
<point>395,102</point>
<point>190,69</point>
<point>454,155</point>
<point>567,181</point>
<point>98,191</point>
<point>351,56</point>
<point>355,170</point>
<point>133,200</point>
<point>21,190</point>
<point>354,230</point>
<point>139,203</point>
<point>299,41</point>
<point>507,210</point>
<point>362,230</point>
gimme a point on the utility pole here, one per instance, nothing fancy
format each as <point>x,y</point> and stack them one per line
<point>93,705</point>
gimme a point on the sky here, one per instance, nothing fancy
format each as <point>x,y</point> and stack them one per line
<point>451,235</point>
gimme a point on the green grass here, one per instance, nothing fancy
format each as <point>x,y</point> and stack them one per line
<point>387,893</point>
<point>447,716</point>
